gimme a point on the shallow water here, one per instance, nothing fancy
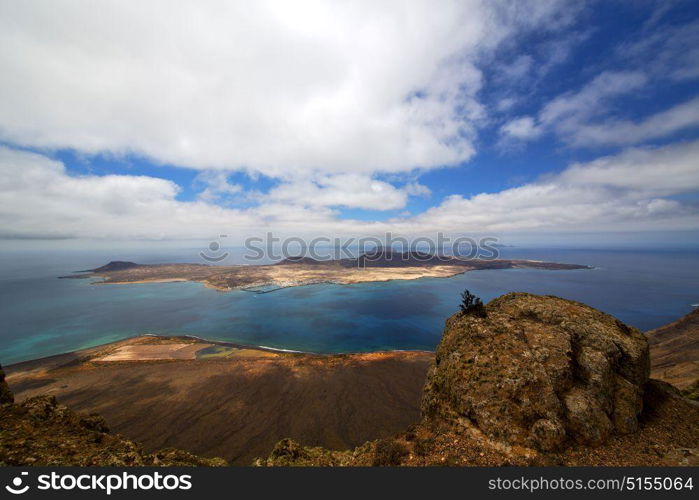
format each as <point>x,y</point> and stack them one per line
<point>42,315</point>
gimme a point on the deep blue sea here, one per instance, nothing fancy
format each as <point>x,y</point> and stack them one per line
<point>41,315</point>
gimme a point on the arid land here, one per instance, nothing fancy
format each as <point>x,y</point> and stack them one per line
<point>675,352</point>
<point>217,399</point>
<point>305,271</point>
<point>236,402</point>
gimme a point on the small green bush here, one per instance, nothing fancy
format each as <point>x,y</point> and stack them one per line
<point>472,305</point>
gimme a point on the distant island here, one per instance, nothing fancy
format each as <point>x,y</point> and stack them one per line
<point>383,265</point>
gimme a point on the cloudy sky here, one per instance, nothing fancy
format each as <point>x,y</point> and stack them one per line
<point>182,120</point>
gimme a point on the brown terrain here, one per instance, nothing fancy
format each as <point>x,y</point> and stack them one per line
<point>40,431</point>
<point>379,266</point>
<point>218,400</point>
<point>675,353</point>
<point>534,381</point>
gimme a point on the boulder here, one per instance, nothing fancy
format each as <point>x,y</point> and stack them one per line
<point>540,372</point>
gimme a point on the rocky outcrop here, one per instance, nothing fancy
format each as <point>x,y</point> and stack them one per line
<point>40,431</point>
<point>539,372</point>
<point>537,380</point>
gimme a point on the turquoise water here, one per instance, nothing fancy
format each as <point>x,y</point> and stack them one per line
<point>42,315</point>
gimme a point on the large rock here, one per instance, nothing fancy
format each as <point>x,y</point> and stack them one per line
<point>5,392</point>
<point>539,372</point>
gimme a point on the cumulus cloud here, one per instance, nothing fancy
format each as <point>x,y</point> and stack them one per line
<point>344,190</point>
<point>566,113</point>
<point>674,48</point>
<point>342,105</point>
<point>272,87</point>
<point>585,117</point>
<point>39,199</point>
<point>591,99</point>
<point>523,127</point>
<point>579,117</point>
<point>628,191</point>
<point>633,190</point>
<point>624,132</point>
<point>216,186</point>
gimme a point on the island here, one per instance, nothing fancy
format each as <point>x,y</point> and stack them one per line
<point>381,265</point>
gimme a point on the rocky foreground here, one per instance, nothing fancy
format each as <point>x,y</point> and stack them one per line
<point>39,431</point>
<point>232,402</point>
<point>537,381</point>
<point>533,381</point>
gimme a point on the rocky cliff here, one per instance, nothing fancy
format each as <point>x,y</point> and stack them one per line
<point>39,431</point>
<point>538,380</point>
<point>539,372</point>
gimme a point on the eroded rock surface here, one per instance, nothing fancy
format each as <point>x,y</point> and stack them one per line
<point>540,372</point>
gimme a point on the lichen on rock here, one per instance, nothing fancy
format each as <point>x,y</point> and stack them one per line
<point>539,372</point>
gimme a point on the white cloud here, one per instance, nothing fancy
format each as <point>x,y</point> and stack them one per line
<point>657,53</point>
<point>344,190</point>
<point>505,103</point>
<point>624,132</point>
<point>630,191</point>
<point>39,199</point>
<point>641,173</point>
<point>517,69</point>
<point>416,189</point>
<point>565,114</point>
<point>342,104</point>
<point>666,51</point>
<point>572,107</point>
<point>625,192</point>
<point>284,89</point>
<point>521,128</point>
<point>578,118</point>
<point>216,186</point>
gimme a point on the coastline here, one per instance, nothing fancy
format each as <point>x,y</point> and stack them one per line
<point>175,401</point>
<point>289,273</point>
<point>54,360</point>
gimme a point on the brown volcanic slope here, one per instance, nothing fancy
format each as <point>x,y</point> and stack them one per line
<point>675,351</point>
<point>39,431</point>
<point>537,381</point>
<point>378,266</point>
<point>236,405</point>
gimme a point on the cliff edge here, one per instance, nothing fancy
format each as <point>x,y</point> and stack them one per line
<point>539,372</point>
<point>536,380</point>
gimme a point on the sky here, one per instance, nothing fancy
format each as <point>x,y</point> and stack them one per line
<point>533,121</point>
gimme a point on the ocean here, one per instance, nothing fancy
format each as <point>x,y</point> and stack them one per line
<point>42,315</point>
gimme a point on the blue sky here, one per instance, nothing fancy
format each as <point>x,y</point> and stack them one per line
<point>514,119</point>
